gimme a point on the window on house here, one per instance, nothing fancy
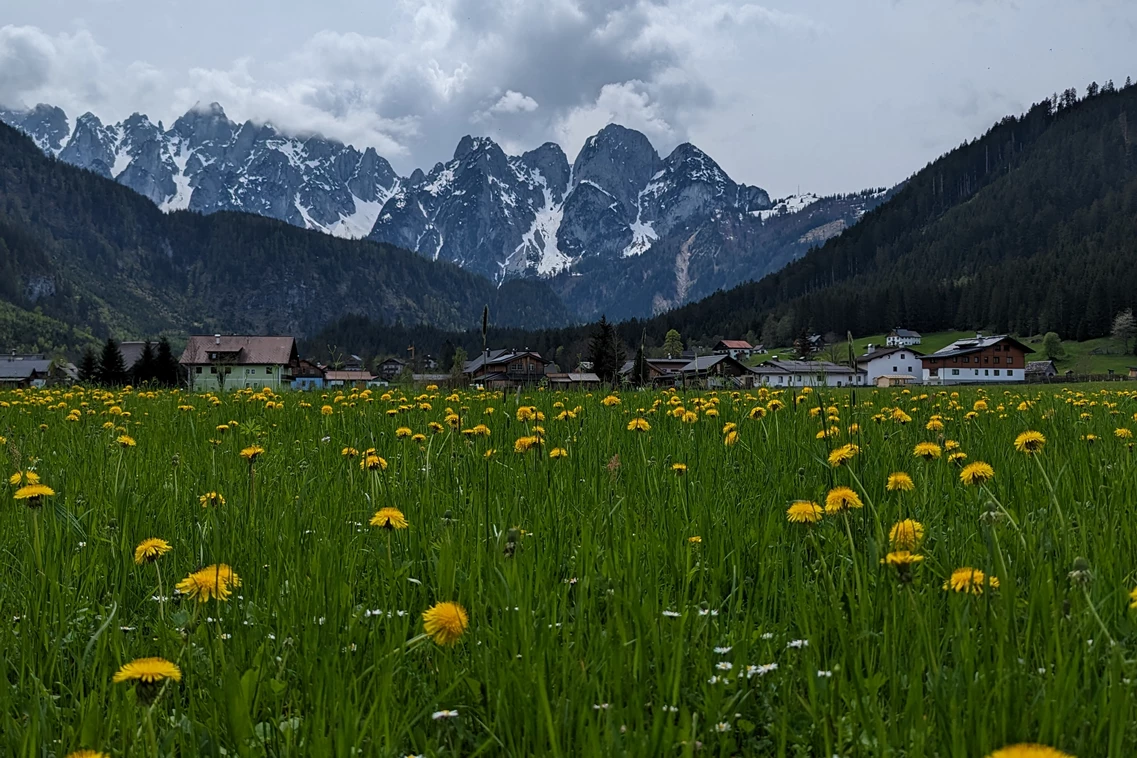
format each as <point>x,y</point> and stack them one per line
<point>986,359</point>
<point>213,369</point>
<point>955,359</point>
<point>986,372</point>
<point>1010,359</point>
<point>977,372</point>
<point>268,370</point>
<point>955,372</point>
<point>996,372</point>
<point>894,369</point>
<point>199,369</point>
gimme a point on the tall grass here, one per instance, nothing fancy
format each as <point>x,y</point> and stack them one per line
<point>597,635</point>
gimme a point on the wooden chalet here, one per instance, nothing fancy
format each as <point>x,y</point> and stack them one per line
<point>501,369</point>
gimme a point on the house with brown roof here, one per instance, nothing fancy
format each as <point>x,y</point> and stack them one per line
<point>507,368</point>
<point>229,362</point>
<point>737,349</point>
<point>996,359</point>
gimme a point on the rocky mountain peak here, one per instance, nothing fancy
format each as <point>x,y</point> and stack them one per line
<point>46,124</point>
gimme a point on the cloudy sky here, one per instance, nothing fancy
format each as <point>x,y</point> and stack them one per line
<point>821,95</point>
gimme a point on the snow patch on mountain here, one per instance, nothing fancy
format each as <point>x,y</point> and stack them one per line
<point>540,241</point>
<point>791,204</point>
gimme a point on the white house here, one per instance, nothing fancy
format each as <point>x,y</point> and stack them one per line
<point>228,362</point>
<point>902,338</point>
<point>783,373</point>
<point>891,366</point>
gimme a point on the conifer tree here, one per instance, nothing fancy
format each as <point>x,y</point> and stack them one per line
<point>145,369</point>
<point>166,369</point>
<point>88,367</point>
<point>112,368</point>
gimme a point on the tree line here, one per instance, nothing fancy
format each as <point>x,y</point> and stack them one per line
<point>156,366</point>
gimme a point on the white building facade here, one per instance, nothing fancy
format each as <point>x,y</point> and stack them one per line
<point>896,365</point>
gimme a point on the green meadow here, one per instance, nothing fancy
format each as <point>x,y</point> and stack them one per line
<point>641,574</point>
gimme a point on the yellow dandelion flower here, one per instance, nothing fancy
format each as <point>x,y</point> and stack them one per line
<point>970,580</point>
<point>729,427</point>
<point>731,438</point>
<point>402,432</point>
<point>1028,750</point>
<point>252,452</point>
<point>150,550</point>
<point>389,518</point>
<point>418,438</point>
<point>840,498</point>
<point>902,558</point>
<point>19,477</point>
<point>445,622</point>
<point>126,440</point>
<point>326,410</point>
<point>436,427</point>
<point>690,417</point>
<point>349,452</point>
<point>372,462</point>
<point>695,540</point>
<point>610,401</point>
<point>481,430</point>
<point>976,473</point>
<point>525,413</point>
<point>842,455</point>
<point>88,754</point>
<point>33,493</point>
<point>803,512</point>
<point>679,468</point>
<point>756,412</point>
<point>148,671</point>
<point>1133,599</point>
<point>558,452</point>
<point>898,481</point>
<point>639,425</point>
<point>217,581</point>
<point>211,498</point>
<point>525,444</point>
<point>929,451</point>
<point>957,458</point>
<point>906,534</point>
<point>1030,442</point>
<point>1123,433</point>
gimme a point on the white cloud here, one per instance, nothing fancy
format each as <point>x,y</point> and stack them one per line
<point>825,94</point>
<point>514,102</point>
<point>627,103</point>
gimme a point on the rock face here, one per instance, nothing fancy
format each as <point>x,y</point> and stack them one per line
<point>669,229</point>
<point>207,163</point>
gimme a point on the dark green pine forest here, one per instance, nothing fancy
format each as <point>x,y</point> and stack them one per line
<point>83,258</point>
<point>1028,229</point>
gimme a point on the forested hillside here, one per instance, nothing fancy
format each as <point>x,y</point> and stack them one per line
<point>1031,228</point>
<point>82,256</point>
<point>1028,229</point>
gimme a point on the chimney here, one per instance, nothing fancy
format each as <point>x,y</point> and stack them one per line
<point>217,339</point>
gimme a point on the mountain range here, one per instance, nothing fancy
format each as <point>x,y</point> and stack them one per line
<point>83,257</point>
<point>621,230</point>
<point>1027,229</point>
